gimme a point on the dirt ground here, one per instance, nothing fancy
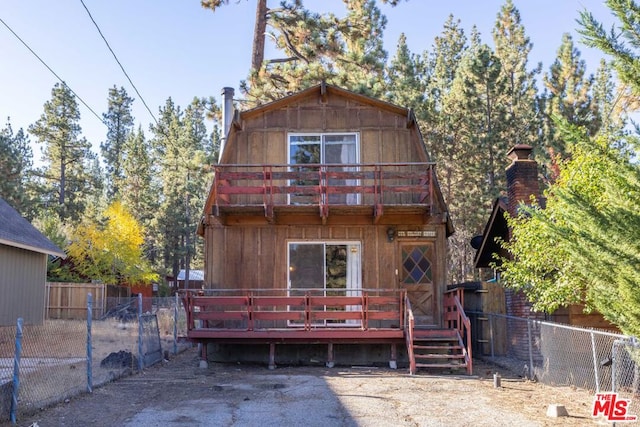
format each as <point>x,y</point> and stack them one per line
<point>178,392</point>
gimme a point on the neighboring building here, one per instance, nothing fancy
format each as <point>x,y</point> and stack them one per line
<point>522,186</point>
<point>196,279</point>
<point>23,268</point>
<point>324,193</point>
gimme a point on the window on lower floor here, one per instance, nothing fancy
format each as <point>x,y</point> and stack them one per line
<point>325,269</point>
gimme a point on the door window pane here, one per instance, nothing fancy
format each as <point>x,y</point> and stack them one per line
<point>416,264</point>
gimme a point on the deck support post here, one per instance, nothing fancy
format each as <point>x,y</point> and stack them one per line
<point>393,362</point>
<point>330,363</point>
<point>204,364</point>
<point>272,355</point>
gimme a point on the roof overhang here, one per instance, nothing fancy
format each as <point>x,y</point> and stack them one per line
<point>496,227</point>
<point>32,248</point>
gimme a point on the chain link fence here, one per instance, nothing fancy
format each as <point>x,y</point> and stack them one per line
<point>561,355</point>
<point>58,359</point>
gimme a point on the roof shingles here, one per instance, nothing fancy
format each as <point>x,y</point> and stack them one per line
<point>18,232</point>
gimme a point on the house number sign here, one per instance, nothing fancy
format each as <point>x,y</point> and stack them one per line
<point>418,233</point>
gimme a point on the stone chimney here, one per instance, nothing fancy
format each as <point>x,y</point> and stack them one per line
<point>522,178</point>
<point>227,116</point>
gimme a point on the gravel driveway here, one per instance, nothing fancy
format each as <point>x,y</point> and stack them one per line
<point>179,393</point>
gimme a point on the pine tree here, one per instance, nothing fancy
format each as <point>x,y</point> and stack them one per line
<point>407,79</point>
<point>608,100</point>
<point>343,51</point>
<point>568,96</point>
<point>67,156</point>
<point>439,128</point>
<point>257,51</point>
<point>621,43</point>
<point>477,104</point>
<point>16,160</point>
<point>442,130</point>
<point>512,48</point>
<point>180,145</point>
<point>361,68</point>
<point>139,191</point>
<point>119,122</point>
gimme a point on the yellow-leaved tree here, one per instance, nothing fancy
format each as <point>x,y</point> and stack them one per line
<point>111,252</point>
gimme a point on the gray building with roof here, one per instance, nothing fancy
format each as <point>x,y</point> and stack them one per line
<point>23,268</point>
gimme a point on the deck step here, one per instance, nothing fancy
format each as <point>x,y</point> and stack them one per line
<point>439,356</point>
<point>438,349</point>
<point>441,365</point>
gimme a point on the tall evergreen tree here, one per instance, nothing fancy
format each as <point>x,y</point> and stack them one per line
<point>67,156</point>
<point>361,67</point>
<point>608,98</point>
<point>139,191</point>
<point>567,95</point>
<point>622,42</point>
<point>477,104</point>
<point>180,146</point>
<point>512,48</point>
<point>441,129</point>
<point>343,51</point>
<point>407,79</point>
<point>16,160</point>
<point>119,123</point>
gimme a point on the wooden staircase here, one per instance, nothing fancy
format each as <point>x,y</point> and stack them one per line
<point>445,349</point>
<point>438,350</point>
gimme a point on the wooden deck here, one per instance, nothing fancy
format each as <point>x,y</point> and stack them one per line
<point>373,317</point>
<point>255,317</point>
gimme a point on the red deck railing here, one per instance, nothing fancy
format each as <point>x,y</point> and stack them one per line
<point>324,185</point>
<point>456,318</point>
<point>256,315</point>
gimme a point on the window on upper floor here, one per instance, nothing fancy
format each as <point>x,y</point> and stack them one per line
<point>337,151</point>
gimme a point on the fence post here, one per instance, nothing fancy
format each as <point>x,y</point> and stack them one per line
<point>140,334</point>
<point>530,349</point>
<point>16,372</point>
<point>595,361</point>
<point>491,335</point>
<point>89,349</point>
<point>175,325</point>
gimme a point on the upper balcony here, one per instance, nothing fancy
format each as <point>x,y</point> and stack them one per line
<point>336,189</point>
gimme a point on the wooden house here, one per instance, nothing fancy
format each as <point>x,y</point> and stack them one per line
<point>325,224</point>
<point>23,268</point>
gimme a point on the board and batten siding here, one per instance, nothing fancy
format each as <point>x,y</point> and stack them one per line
<point>255,257</point>
<point>384,135</point>
<point>22,285</point>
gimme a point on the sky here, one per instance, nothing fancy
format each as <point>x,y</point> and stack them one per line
<point>177,49</point>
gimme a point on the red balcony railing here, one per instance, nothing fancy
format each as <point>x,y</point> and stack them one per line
<point>323,185</point>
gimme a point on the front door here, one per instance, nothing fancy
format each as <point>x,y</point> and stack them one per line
<point>416,277</point>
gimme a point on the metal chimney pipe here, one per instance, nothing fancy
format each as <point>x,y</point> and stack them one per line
<point>227,115</point>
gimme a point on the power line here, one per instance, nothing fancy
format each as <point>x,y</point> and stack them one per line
<point>52,72</point>
<point>118,61</point>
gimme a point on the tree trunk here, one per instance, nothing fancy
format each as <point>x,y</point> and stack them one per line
<point>257,57</point>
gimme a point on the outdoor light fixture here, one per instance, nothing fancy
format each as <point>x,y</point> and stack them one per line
<point>391,234</point>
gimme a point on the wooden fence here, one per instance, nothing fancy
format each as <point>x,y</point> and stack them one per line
<point>69,300</point>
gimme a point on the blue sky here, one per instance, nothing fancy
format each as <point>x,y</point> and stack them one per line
<point>176,48</point>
